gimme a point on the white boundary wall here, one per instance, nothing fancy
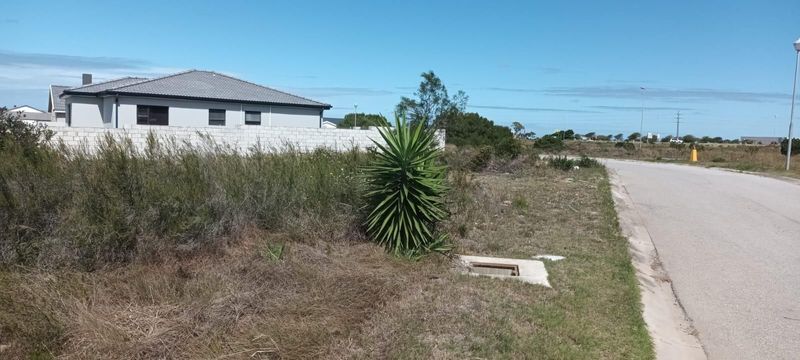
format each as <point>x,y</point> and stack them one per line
<point>242,139</point>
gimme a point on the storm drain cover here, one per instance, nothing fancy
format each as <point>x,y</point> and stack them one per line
<point>529,271</point>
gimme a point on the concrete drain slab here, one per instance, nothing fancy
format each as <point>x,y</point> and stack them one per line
<point>529,271</point>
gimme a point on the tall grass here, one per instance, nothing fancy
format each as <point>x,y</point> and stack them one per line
<point>75,207</point>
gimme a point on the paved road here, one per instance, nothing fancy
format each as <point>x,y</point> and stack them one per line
<point>730,243</point>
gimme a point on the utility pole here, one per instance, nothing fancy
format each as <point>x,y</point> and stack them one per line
<point>678,128</point>
<point>641,122</point>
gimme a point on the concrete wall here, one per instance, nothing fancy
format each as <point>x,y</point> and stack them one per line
<point>105,112</point>
<point>242,139</point>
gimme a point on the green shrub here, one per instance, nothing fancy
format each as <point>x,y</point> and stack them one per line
<point>627,145</point>
<point>561,163</point>
<point>587,162</point>
<point>718,160</point>
<point>405,191</point>
<point>549,143</point>
<point>795,146</point>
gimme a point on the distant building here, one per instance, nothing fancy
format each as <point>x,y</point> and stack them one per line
<point>30,113</point>
<point>55,104</point>
<point>761,140</point>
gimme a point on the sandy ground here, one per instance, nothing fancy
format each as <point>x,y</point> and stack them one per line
<point>730,245</point>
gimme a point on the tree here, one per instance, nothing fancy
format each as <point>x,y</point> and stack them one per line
<point>518,128</point>
<point>364,120</point>
<point>432,105</point>
<point>634,136</point>
<point>472,129</point>
<point>619,137</point>
<point>666,139</point>
<point>689,139</point>
<point>589,135</point>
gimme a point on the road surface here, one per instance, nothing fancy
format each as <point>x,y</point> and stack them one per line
<point>730,243</point>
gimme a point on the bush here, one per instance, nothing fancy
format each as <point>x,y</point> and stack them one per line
<point>586,162</point>
<point>549,143</point>
<point>795,146</point>
<point>68,207</point>
<point>561,163</point>
<point>473,130</point>
<point>19,134</point>
<point>627,145</point>
<point>405,191</point>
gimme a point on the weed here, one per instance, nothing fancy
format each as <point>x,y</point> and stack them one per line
<point>519,203</point>
<point>561,163</point>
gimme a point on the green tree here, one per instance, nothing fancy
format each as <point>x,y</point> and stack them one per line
<point>590,135</point>
<point>472,129</point>
<point>619,137</point>
<point>363,120</point>
<point>634,136</point>
<point>518,128</point>
<point>432,106</point>
<point>689,138</point>
<point>666,139</point>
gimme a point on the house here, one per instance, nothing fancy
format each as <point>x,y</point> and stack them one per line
<point>192,98</point>
<point>31,113</point>
<point>55,104</point>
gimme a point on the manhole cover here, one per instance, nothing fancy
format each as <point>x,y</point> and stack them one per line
<point>529,271</point>
<point>494,269</point>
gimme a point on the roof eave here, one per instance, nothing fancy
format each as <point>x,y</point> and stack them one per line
<point>127,93</point>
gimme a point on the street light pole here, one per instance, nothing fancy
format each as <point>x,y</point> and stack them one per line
<point>791,112</point>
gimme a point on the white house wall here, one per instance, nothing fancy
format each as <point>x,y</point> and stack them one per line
<point>192,113</point>
<point>85,111</point>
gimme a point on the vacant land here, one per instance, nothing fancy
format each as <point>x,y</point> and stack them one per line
<point>276,266</point>
<point>757,158</point>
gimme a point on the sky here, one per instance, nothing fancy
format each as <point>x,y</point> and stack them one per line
<point>727,66</point>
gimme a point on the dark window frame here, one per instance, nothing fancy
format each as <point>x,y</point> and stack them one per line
<point>212,121</point>
<point>249,122</point>
<point>145,115</point>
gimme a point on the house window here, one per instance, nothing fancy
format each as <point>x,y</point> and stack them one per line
<point>152,115</point>
<point>252,117</point>
<point>216,117</point>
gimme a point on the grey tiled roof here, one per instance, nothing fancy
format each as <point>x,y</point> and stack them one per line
<point>56,103</point>
<point>203,85</point>
<point>97,88</point>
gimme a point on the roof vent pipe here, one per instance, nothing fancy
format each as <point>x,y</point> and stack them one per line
<point>87,79</point>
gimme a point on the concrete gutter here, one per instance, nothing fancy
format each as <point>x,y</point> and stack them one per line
<point>671,330</point>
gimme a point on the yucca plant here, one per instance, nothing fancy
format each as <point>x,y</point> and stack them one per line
<point>405,191</point>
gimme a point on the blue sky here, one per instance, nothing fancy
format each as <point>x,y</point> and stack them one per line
<point>727,65</point>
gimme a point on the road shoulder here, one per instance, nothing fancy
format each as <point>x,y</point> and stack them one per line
<point>671,330</point>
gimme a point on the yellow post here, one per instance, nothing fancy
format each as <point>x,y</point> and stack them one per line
<point>694,155</point>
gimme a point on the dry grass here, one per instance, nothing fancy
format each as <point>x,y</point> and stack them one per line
<point>756,158</point>
<point>348,299</point>
<point>237,305</point>
<point>593,311</point>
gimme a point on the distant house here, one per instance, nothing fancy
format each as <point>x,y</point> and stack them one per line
<point>55,104</point>
<point>189,99</point>
<point>31,113</point>
<point>761,140</point>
